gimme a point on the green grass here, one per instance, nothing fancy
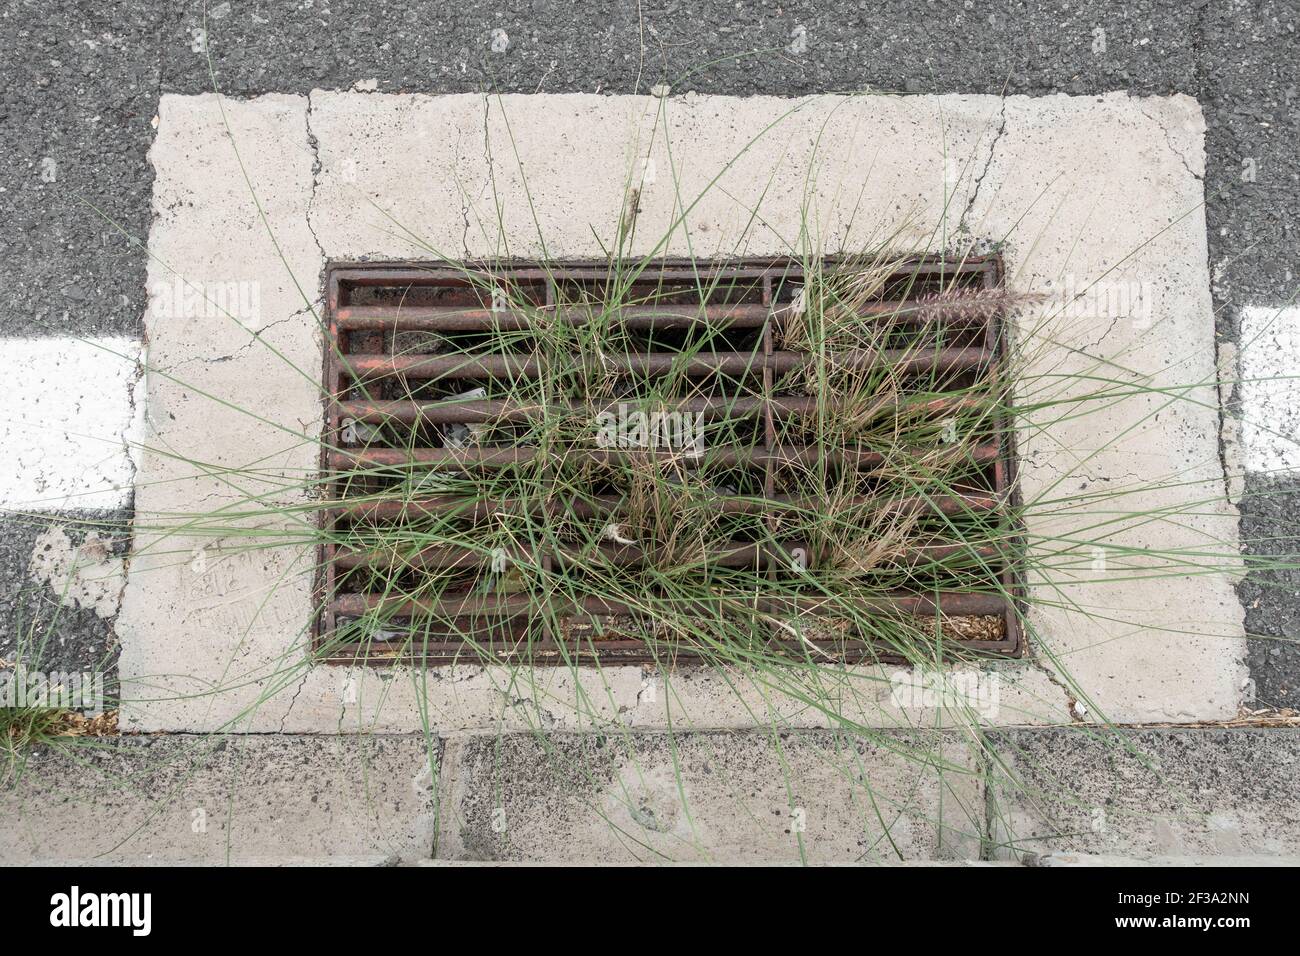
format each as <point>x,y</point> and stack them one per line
<point>46,713</point>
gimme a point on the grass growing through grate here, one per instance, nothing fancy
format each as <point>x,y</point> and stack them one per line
<point>877,440</point>
<point>781,666</point>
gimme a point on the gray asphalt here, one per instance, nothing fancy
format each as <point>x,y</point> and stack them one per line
<point>36,628</point>
<point>81,83</point>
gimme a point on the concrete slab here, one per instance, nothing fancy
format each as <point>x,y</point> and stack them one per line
<point>501,173</point>
<point>213,800</point>
<point>233,410</point>
<point>1162,793</point>
<point>1135,482</point>
<point>1081,191</point>
<point>747,797</point>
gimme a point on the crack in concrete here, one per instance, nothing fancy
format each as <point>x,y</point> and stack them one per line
<point>988,802</point>
<point>491,165</point>
<point>254,338</point>
<point>294,699</point>
<point>445,792</point>
<point>988,162</point>
<point>464,194</point>
<point>1227,364</point>
<point>634,192</point>
<point>1225,358</point>
<point>1169,143</point>
<point>314,145</point>
<point>1034,658</point>
<point>137,414</point>
<point>1082,350</point>
<point>466,199</point>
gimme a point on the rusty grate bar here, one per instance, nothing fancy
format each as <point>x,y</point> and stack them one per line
<point>421,361</point>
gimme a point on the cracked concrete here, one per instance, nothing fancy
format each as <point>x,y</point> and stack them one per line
<point>314,146</point>
<point>988,161</point>
<point>1084,223</point>
<point>335,173</point>
<point>1195,168</point>
<point>198,460</point>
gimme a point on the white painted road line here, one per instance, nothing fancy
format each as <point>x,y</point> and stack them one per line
<point>1270,389</point>
<point>71,423</point>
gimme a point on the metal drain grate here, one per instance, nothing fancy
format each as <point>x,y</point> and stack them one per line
<point>466,397</point>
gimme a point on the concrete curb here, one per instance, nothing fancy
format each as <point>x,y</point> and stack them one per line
<point>1174,798</point>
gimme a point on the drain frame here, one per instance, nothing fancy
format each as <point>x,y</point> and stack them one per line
<point>368,325</point>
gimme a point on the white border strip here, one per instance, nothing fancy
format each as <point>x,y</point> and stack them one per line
<point>71,423</point>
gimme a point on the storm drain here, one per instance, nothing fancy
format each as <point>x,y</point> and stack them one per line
<point>650,461</point>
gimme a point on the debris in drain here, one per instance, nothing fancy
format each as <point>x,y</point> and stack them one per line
<point>983,628</point>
